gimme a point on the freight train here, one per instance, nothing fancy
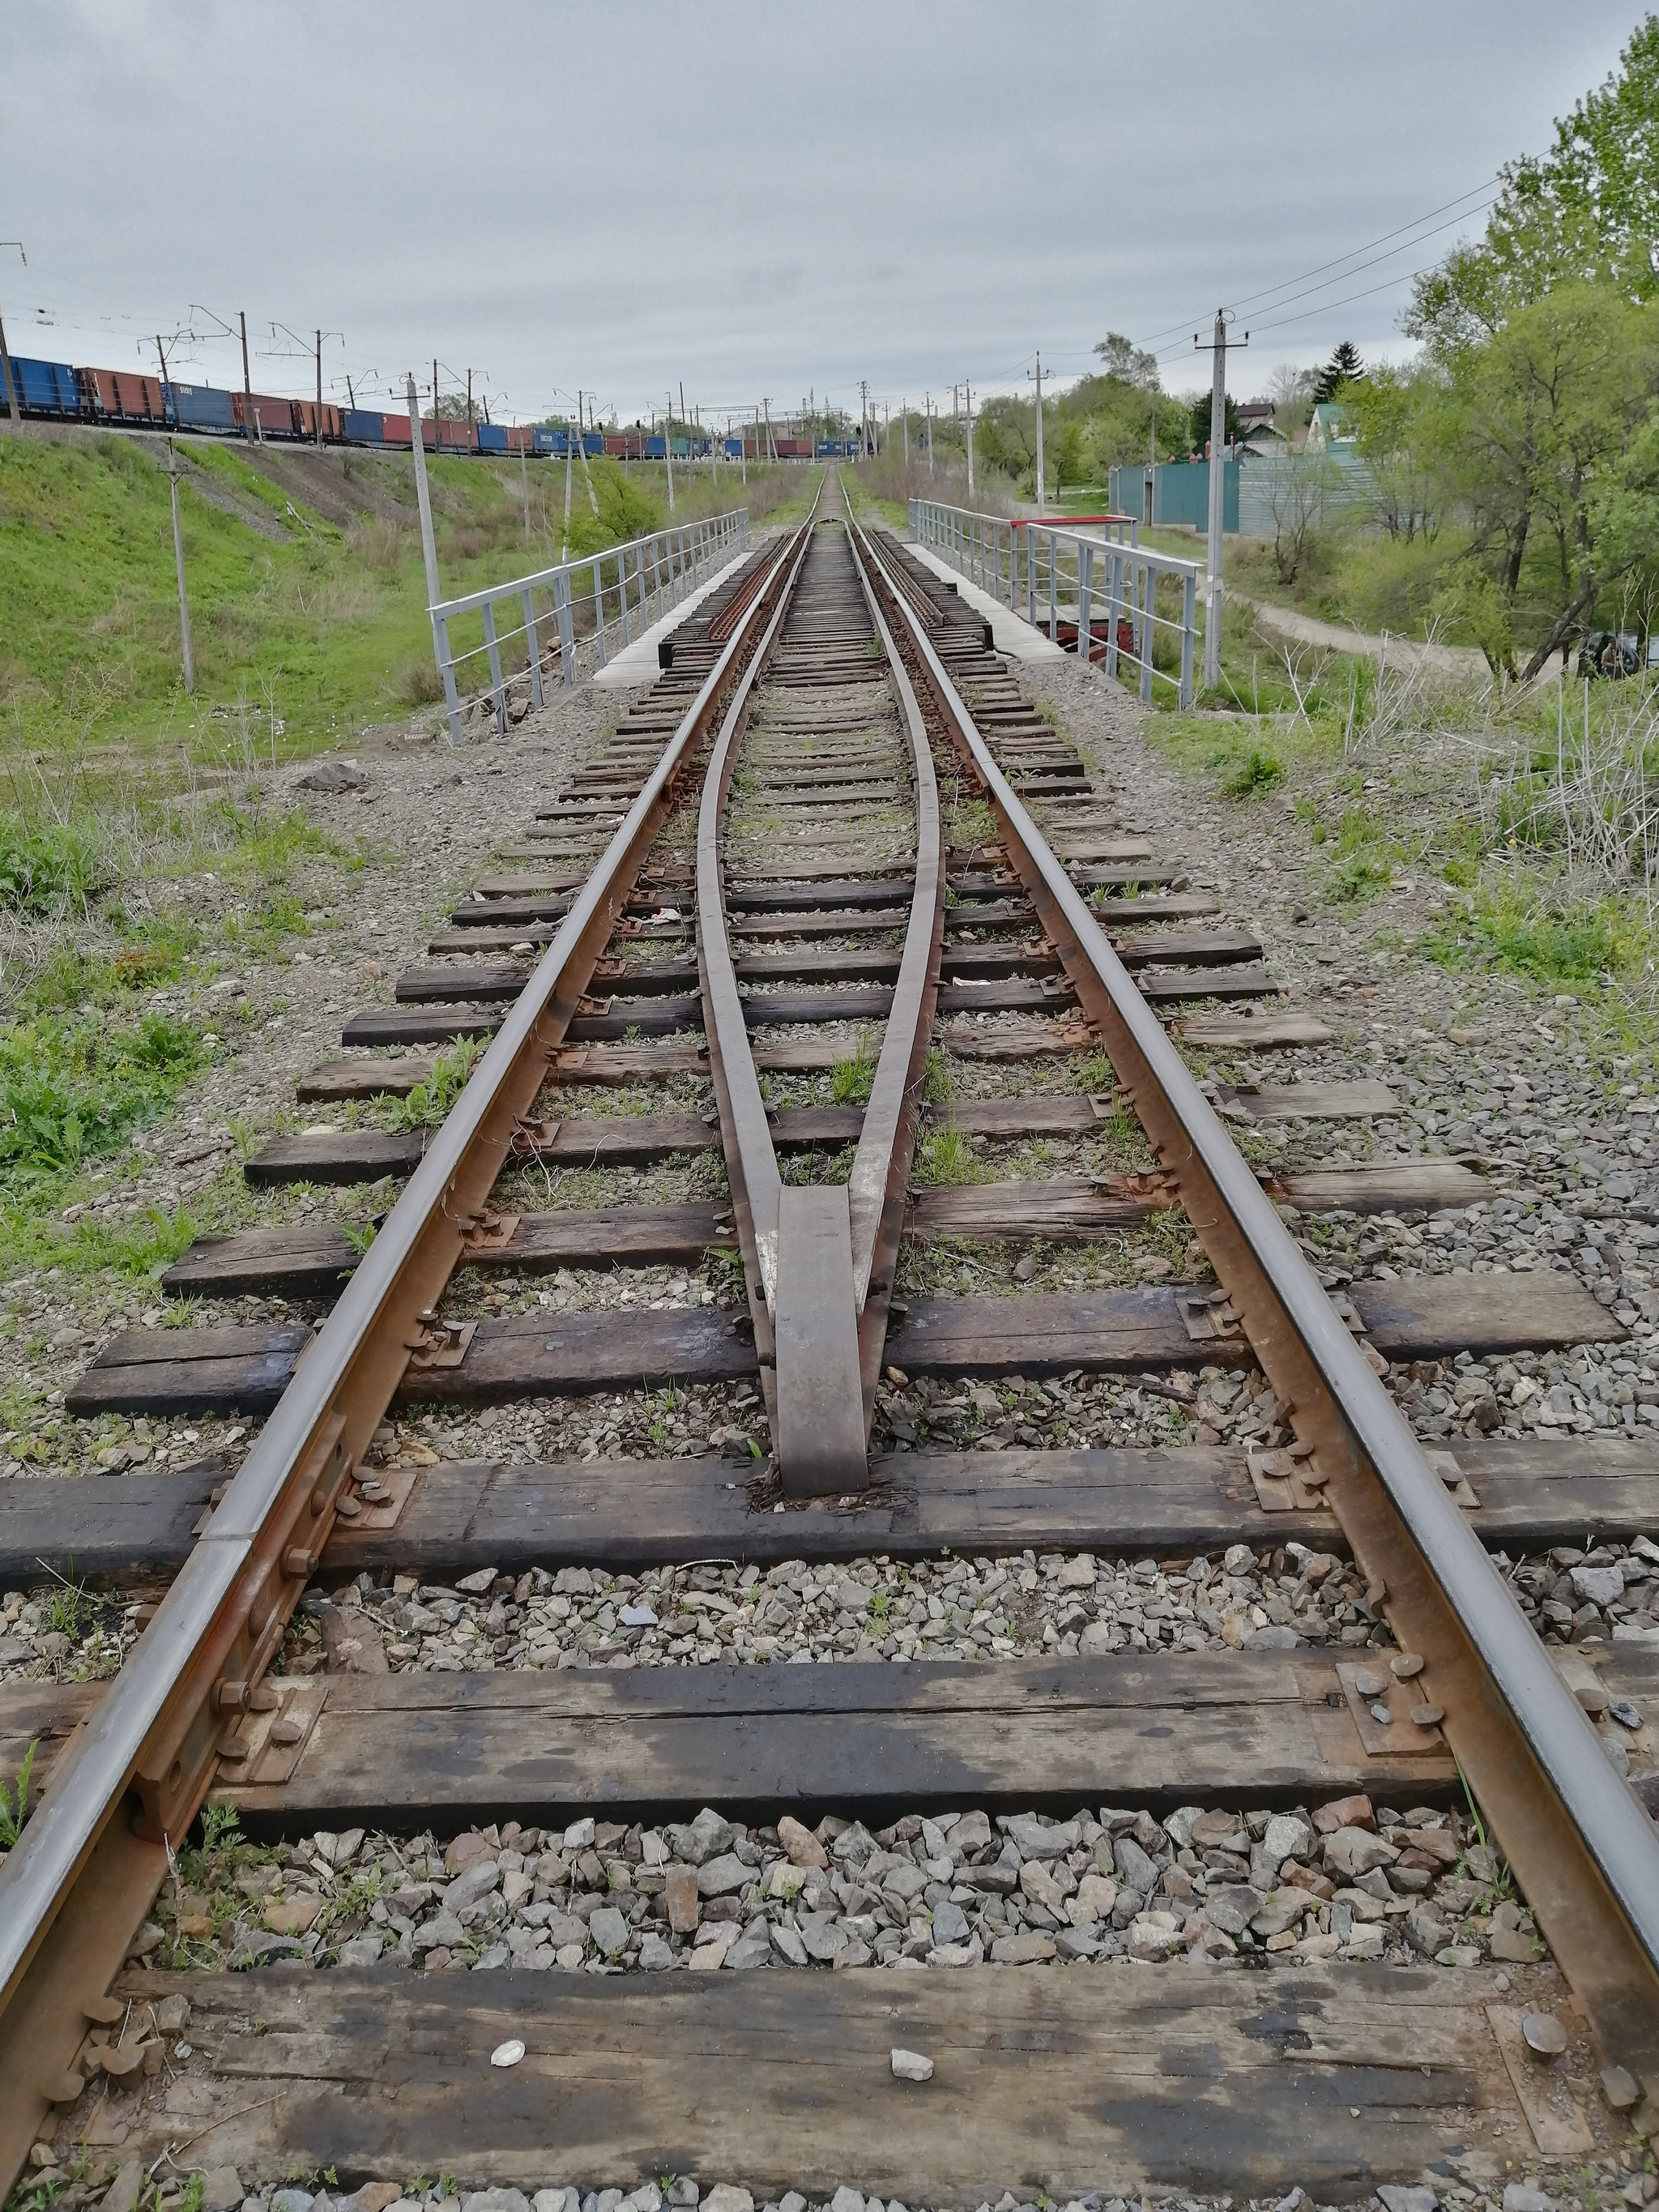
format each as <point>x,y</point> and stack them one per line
<point>53,391</point>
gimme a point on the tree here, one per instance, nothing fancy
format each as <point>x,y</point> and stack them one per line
<point>1199,418</point>
<point>1127,362</point>
<point>1392,411</point>
<point>1297,486</point>
<point>1588,208</point>
<point>1345,367</point>
<point>1542,440</point>
<point>1291,392</point>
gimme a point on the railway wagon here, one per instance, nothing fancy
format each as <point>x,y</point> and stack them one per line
<point>44,387</point>
<point>201,407</point>
<point>116,395</point>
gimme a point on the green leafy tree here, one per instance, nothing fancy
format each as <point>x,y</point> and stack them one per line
<point>1393,413</point>
<point>1542,441</point>
<point>1127,362</point>
<point>1588,208</point>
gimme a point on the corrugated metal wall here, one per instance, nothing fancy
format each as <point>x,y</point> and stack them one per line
<point>1338,483</point>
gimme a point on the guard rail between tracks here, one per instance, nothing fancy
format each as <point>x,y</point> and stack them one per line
<point>1058,576</point>
<point>631,585</point>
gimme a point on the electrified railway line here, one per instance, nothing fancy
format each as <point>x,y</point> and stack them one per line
<point>777,871</point>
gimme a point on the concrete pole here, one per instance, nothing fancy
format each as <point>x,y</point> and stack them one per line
<point>429,543</point>
<point>179,566</point>
<point>569,469</point>
<point>1041,500</point>
<point>928,401</point>
<point>1217,485</point>
<point>969,389</point>
<point>250,420</point>
<point>668,448</point>
<point>904,422</point>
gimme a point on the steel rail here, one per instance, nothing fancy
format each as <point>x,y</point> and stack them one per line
<point>1576,1838</point>
<point>823,1254</point>
<point>180,1703</point>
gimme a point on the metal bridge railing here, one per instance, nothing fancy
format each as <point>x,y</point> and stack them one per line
<point>1063,573</point>
<point>631,585</point>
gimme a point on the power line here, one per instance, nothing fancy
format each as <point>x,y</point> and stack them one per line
<point>1322,266</point>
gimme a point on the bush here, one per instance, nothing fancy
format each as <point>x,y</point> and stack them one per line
<point>43,870</point>
<point>74,1090</point>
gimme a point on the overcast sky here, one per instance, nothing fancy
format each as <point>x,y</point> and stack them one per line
<point>751,199</point>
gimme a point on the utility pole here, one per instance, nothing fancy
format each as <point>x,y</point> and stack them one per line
<point>569,467</point>
<point>969,389</point>
<point>1038,374</point>
<point>928,401</point>
<point>469,397</point>
<point>179,567</point>
<point>316,421</point>
<point>429,543</point>
<point>767,406</point>
<point>904,421</point>
<point>249,414</point>
<point>9,382</point>
<point>668,445</point>
<point>1217,350</point>
<point>437,434</point>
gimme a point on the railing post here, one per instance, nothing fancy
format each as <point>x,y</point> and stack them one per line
<point>1054,589</point>
<point>533,647</point>
<point>1113,608</point>
<point>1188,597</point>
<point>495,684</point>
<point>446,661</point>
<point>1148,586</point>
<point>622,592</point>
<point>1085,577</point>
<point>566,626</point>
<point>598,612</point>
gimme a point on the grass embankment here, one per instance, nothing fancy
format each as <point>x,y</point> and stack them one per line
<point>1529,826</point>
<point>305,586</point>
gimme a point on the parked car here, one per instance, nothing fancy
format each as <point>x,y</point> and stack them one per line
<point>1610,653</point>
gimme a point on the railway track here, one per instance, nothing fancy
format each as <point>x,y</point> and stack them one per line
<point>837,950</point>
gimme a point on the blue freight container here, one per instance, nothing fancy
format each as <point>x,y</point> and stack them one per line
<point>592,441</point>
<point>48,386</point>
<point>655,449</point>
<point>550,438</point>
<point>733,448</point>
<point>200,407</point>
<point>492,438</point>
<point>359,427</point>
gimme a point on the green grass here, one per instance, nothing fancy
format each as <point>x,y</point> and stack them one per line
<point>947,1155</point>
<point>76,1088</point>
<point>1571,942</point>
<point>316,632</point>
<point>428,1104</point>
<point>14,1801</point>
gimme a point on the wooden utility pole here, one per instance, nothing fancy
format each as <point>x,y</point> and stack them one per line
<point>178,568</point>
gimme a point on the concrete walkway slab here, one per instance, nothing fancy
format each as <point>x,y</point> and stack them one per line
<point>1010,633</point>
<point>637,661</point>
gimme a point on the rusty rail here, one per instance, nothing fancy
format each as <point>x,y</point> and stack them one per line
<point>192,1694</point>
<point>820,1258</point>
<point>1580,1844</point>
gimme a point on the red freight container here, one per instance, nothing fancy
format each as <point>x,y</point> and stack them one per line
<point>521,438</point>
<point>274,417</point>
<point>122,396</point>
<point>306,409</point>
<point>395,429</point>
<point>455,436</point>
